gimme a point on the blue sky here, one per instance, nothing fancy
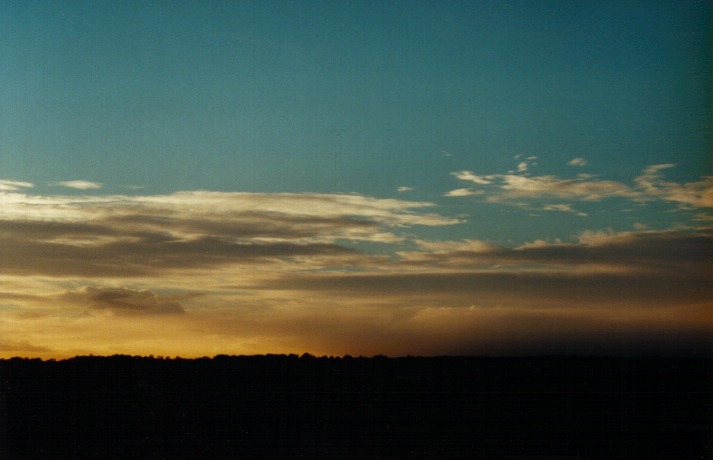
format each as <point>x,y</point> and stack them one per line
<point>351,96</point>
<point>502,123</point>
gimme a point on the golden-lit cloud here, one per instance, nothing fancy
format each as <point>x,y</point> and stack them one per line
<point>698,194</point>
<point>511,188</point>
<point>201,273</point>
<point>122,236</point>
<point>563,208</point>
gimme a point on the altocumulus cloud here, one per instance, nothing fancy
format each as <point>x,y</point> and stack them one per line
<point>649,186</point>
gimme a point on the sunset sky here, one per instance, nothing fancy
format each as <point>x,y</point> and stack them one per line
<point>356,177</point>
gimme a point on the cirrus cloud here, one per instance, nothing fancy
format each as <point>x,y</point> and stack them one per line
<point>121,236</point>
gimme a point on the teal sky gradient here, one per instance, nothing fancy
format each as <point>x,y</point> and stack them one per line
<point>363,177</point>
<point>358,97</point>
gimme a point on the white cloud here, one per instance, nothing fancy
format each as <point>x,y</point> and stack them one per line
<point>540,243</point>
<point>476,179</point>
<point>225,207</point>
<point>558,207</point>
<point>578,162</point>
<point>563,208</point>
<point>13,185</point>
<point>522,167</point>
<point>80,184</point>
<point>463,192</point>
<point>404,189</point>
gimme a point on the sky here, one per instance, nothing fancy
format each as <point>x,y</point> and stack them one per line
<point>357,177</point>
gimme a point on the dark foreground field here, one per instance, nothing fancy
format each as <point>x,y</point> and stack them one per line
<point>306,407</point>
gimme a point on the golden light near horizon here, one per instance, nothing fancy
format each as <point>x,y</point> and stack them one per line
<point>477,178</point>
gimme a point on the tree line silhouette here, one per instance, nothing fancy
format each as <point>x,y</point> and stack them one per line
<point>289,406</point>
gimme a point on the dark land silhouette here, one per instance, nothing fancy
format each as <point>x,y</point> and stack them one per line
<point>279,406</point>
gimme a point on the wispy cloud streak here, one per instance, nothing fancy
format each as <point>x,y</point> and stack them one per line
<point>80,184</point>
<point>648,186</point>
<point>14,185</point>
<point>143,235</point>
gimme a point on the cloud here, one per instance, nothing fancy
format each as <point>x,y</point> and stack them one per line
<point>644,268</point>
<point>558,207</point>
<point>523,166</point>
<point>563,208</point>
<point>13,185</point>
<point>124,301</point>
<point>289,273</point>
<point>147,235</point>
<point>511,186</point>
<point>648,186</point>
<point>578,162</point>
<point>455,246</point>
<point>138,253</point>
<point>21,347</point>
<point>551,186</point>
<point>652,174</point>
<point>618,291</point>
<point>404,189</point>
<point>81,184</point>
<point>476,179</point>
<point>463,192</point>
<point>477,279</point>
<point>703,217</point>
<point>696,194</point>
<point>226,208</point>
